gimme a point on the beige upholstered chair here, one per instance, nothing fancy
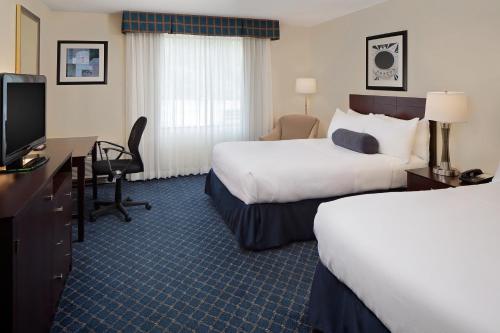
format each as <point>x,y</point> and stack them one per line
<point>294,126</point>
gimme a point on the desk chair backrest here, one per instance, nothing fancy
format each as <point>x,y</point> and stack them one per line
<point>117,169</point>
<point>135,139</point>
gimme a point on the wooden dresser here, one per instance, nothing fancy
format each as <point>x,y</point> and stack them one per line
<point>35,243</point>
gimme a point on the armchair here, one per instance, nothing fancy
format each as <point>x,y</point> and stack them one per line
<point>294,126</point>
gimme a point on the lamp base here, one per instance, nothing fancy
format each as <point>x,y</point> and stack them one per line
<point>445,169</point>
<point>446,172</point>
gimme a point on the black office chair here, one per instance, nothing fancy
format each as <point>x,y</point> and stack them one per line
<point>116,169</point>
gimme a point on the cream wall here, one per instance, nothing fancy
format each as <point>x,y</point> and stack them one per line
<point>291,58</point>
<point>452,44</point>
<point>83,110</point>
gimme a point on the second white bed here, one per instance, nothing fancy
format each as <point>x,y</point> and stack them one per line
<point>421,261</point>
<point>294,170</point>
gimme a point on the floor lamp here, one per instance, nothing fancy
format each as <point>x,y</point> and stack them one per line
<point>306,87</point>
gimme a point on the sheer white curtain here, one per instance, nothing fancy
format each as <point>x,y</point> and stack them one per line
<point>195,91</point>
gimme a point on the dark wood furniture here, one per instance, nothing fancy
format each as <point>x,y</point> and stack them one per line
<point>35,242</point>
<point>424,179</point>
<point>397,107</point>
<point>81,147</point>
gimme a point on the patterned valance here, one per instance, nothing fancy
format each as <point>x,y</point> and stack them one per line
<point>199,25</point>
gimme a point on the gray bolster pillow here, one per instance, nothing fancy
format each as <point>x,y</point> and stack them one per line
<point>359,142</point>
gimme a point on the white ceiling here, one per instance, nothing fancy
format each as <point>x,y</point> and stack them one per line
<point>296,12</point>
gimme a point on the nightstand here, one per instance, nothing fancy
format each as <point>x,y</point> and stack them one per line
<point>424,179</point>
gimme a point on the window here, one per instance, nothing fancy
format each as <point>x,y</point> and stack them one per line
<point>196,91</point>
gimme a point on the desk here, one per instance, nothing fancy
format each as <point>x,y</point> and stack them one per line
<point>80,147</point>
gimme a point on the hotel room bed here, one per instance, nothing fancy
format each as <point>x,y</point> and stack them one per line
<point>268,192</point>
<point>295,170</point>
<point>409,262</point>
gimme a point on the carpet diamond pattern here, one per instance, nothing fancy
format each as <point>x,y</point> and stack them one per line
<point>177,268</point>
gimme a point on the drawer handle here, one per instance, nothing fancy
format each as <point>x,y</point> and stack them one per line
<point>69,194</point>
<point>61,242</point>
<point>49,197</point>
<point>59,209</point>
<point>58,276</point>
<point>68,224</point>
<point>67,254</point>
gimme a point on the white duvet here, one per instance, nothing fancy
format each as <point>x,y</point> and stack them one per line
<point>294,170</point>
<point>421,261</point>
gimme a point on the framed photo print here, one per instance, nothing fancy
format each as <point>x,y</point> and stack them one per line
<point>82,62</point>
<point>386,61</point>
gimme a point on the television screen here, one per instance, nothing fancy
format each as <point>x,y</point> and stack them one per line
<point>25,121</point>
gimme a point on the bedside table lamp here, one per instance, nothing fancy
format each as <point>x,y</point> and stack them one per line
<point>306,87</point>
<point>447,108</point>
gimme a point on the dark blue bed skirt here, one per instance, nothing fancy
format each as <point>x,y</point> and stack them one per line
<point>334,308</point>
<point>265,225</point>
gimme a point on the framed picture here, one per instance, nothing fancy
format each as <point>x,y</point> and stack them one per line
<point>82,62</point>
<point>27,41</point>
<point>386,61</point>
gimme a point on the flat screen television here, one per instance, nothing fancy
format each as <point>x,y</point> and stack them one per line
<point>23,121</point>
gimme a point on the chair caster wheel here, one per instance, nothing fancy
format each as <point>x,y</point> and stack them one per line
<point>128,219</point>
<point>128,199</point>
<point>148,207</point>
<point>92,218</point>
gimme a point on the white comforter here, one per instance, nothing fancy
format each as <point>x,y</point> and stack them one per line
<point>293,170</point>
<point>421,261</point>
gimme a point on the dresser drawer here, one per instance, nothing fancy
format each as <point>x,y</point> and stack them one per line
<point>62,247</point>
<point>62,211</point>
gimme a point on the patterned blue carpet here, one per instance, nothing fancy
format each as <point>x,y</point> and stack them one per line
<point>177,268</point>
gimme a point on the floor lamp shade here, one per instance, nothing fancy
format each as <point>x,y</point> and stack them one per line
<point>306,86</point>
<point>446,108</point>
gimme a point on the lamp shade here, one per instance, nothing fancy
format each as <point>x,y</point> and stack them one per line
<point>305,86</point>
<point>447,107</point>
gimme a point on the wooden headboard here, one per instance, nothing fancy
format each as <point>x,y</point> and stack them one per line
<point>398,107</point>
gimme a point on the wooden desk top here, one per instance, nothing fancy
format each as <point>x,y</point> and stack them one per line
<point>17,189</point>
<point>80,147</point>
<point>427,173</point>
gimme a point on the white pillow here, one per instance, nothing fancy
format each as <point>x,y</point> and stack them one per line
<point>422,137</point>
<point>395,136</point>
<point>496,179</point>
<point>343,120</point>
<point>354,113</point>
<point>422,140</point>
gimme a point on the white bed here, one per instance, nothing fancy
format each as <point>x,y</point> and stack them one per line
<point>294,170</point>
<point>421,261</point>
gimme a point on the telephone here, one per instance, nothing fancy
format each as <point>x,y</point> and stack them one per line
<point>475,176</point>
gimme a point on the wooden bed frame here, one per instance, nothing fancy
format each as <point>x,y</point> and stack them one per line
<point>398,107</point>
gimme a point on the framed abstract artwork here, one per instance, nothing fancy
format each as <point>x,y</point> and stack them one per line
<point>386,61</point>
<point>82,62</point>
